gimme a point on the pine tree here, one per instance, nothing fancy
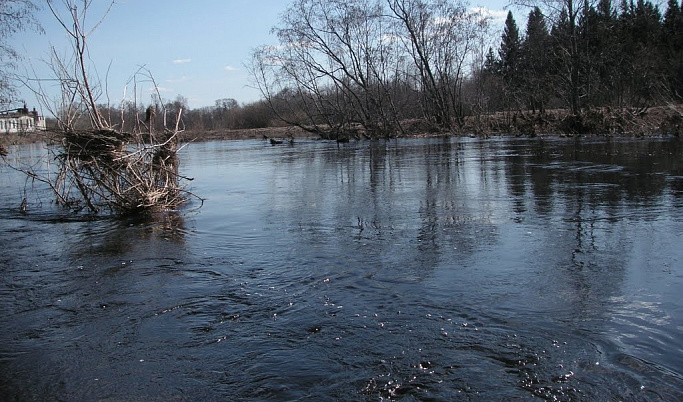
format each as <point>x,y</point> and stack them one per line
<point>645,70</point>
<point>600,52</point>
<point>672,43</point>
<point>491,63</point>
<point>534,61</point>
<point>490,83</point>
<point>561,63</point>
<point>509,49</point>
<point>595,54</point>
<point>607,51</point>
<point>509,54</point>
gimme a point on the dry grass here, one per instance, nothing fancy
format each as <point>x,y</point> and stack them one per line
<point>623,122</point>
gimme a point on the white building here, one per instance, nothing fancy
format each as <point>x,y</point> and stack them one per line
<point>21,120</point>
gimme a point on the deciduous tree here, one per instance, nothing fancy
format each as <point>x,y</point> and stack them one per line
<point>15,16</point>
<point>357,63</point>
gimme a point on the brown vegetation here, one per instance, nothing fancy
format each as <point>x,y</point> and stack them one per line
<point>118,171</point>
<point>627,122</point>
<point>652,122</point>
<point>105,167</point>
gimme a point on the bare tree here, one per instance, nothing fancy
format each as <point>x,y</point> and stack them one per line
<point>15,16</point>
<point>336,62</point>
<point>438,36</point>
<point>104,167</point>
<point>74,75</point>
<point>347,64</point>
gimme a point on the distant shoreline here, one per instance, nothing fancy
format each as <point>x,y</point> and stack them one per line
<point>653,122</point>
<point>628,122</point>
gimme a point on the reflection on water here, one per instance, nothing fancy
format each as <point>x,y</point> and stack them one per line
<point>417,269</point>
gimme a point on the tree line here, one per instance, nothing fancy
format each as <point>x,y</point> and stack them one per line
<point>377,68</point>
<point>225,114</point>
<point>594,56</point>
<point>371,67</point>
<point>363,67</point>
<point>380,68</point>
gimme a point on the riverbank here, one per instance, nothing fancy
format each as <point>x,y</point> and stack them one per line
<point>624,122</point>
<point>628,122</point>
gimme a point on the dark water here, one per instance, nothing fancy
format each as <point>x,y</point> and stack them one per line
<point>435,269</point>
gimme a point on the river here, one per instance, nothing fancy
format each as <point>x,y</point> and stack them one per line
<point>422,269</point>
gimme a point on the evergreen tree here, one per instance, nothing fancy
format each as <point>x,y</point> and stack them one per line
<point>672,43</point>
<point>641,34</point>
<point>509,54</point>
<point>561,64</point>
<point>607,51</point>
<point>534,61</point>
<point>600,53</point>
<point>509,49</point>
<point>593,54</point>
<point>491,83</point>
<point>491,63</point>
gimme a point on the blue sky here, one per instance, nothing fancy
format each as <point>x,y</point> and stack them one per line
<point>197,49</point>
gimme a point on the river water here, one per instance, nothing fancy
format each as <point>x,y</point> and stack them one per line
<point>426,269</point>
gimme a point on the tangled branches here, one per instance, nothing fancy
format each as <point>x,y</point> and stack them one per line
<point>107,171</point>
<point>104,167</point>
<point>122,172</point>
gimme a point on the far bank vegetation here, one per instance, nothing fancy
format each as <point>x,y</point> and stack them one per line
<point>387,68</point>
<point>382,68</point>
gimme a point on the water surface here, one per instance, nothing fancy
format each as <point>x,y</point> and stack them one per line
<point>431,269</point>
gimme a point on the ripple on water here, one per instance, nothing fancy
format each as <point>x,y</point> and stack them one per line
<point>425,269</point>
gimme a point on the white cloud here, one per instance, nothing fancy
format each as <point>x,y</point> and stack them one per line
<point>441,20</point>
<point>390,38</point>
<point>496,16</point>
<point>163,89</point>
<point>181,61</point>
<point>229,68</point>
